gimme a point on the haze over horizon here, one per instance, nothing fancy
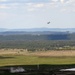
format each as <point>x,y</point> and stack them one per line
<point>25,14</point>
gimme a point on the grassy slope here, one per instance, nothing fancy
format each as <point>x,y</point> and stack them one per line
<point>18,57</point>
<point>32,60</point>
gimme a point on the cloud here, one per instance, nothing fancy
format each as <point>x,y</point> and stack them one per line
<point>34,6</point>
<point>39,5</point>
<point>70,1</point>
<point>3,0</point>
<point>69,5</point>
<point>53,4</point>
<point>9,5</point>
<point>55,0</point>
<point>3,6</point>
<point>62,1</point>
<point>25,1</point>
<point>63,5</point>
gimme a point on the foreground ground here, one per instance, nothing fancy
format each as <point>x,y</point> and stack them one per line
<point>23,57</point>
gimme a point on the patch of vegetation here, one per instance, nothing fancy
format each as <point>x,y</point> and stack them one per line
<point>35,60</point>
<point>39,45</point>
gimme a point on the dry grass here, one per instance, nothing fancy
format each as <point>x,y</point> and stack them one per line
<point>23,57</point>
<point>56,53</point>
<point>40,53</point>
<point>13,52</point>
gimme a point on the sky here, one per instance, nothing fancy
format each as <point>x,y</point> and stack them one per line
<point>20,14</point>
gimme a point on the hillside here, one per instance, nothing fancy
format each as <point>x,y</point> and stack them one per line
<point>36,36</point>
<point>38,40</point>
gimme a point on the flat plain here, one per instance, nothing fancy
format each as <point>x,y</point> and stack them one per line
<point>24,57</point>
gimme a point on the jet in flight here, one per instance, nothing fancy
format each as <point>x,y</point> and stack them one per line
<point>48,22</point>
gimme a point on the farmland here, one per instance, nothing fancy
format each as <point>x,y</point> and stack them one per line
<point>23,57</point>
<point>40,52</point>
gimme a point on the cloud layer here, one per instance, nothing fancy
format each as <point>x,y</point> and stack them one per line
<point>65,5</point>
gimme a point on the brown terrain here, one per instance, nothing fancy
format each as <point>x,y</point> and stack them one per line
<point>38,53</point>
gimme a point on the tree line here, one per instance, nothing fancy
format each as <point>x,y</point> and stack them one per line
<point>39,45</point>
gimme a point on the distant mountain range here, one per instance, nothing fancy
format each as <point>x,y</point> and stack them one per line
<point>38,34</point>
<point>39,29</point>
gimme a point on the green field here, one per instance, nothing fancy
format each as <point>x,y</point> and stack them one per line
<point>33,60</point>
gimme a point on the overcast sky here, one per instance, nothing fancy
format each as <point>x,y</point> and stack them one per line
<point>20,14</point>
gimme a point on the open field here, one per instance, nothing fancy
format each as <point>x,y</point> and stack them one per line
<point>23,57</point>
<point>56,53</point>
<point>50,53</point>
